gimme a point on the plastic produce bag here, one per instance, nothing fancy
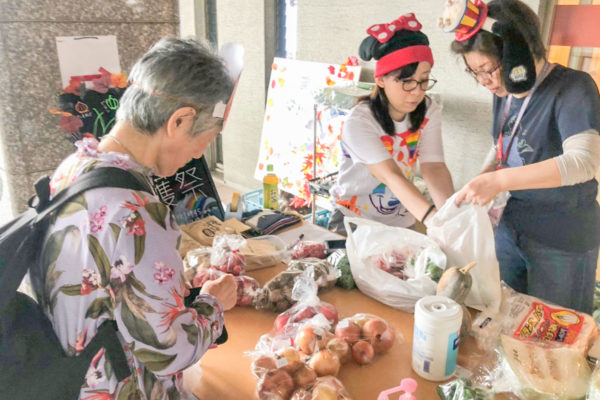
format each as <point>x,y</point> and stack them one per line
<point>368,335</point>
<point>372,240</point>
<point>276,294</point>
<point>308,248</point>
<point>226,256</point>
<point>326,387</point>
<point>307,306</point>
<point>465,234</point>
<point>199,257</point>
<point>339,260</point>
<point>247,288</point>
<point>462,389</point>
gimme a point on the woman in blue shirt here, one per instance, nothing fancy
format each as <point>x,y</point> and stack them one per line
<point>546,153</point>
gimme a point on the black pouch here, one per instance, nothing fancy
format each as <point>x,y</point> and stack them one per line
<point>189,299</point>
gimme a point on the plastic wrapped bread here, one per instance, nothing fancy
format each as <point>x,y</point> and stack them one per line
<point>544,345</point>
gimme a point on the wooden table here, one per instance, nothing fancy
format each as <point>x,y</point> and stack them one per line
<point>224,372</point>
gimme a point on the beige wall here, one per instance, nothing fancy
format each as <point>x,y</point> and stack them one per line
<point>244,22</point>
<point>330,31</point>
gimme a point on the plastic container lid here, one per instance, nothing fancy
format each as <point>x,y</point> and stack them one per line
<point>440,308</point>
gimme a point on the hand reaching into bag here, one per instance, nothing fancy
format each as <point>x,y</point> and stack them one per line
<point>223,289</point>
<point>480,190</point>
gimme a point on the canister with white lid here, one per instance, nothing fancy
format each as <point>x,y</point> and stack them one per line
<point>436,337</point>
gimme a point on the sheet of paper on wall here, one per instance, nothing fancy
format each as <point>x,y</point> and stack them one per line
<point>287,135</point>
<point>84,55</point>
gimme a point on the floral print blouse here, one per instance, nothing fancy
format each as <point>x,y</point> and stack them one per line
<point>112,253</point>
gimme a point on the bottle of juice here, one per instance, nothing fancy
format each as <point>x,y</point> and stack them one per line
<point>270,189</point>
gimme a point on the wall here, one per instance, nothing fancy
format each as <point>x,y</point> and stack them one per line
<point>248,23</point>
<point>31,142</point>
<point>330,32</point>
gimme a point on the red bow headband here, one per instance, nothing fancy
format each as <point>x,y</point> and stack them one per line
<point>407,55</point>
<point>384,32</point>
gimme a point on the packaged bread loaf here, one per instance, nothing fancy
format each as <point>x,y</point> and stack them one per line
<point>543,344</point>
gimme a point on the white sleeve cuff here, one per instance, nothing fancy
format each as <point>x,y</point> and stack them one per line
<point>580,159</point>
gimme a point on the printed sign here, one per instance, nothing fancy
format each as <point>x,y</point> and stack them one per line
<point>190,192</point>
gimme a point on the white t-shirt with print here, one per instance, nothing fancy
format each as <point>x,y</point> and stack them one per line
<point>357,192</point>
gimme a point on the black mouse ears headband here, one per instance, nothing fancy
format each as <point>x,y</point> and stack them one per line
<point>467,17</point>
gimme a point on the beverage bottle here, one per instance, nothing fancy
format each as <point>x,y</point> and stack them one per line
<point>270,189</point>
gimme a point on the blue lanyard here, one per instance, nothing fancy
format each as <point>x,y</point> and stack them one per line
<point>502,156</point>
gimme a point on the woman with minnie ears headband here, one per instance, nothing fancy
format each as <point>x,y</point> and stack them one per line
<point>546,154</point>
<point>387,132</point>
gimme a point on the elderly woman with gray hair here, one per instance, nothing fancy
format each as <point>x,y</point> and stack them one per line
<point>115,249</point>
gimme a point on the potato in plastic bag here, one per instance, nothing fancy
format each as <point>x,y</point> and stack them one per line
<point>276,294</point>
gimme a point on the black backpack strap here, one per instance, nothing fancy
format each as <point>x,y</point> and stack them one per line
<point>96,178</point>
<point>25,224</point>
<point>41,206</point>
<point>107,338</point>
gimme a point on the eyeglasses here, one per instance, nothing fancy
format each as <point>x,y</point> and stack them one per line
<point>411,84</point>
<point>482,75</point>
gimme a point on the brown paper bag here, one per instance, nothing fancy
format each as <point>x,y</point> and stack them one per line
<point>262,253</point>
<point>204,230</point>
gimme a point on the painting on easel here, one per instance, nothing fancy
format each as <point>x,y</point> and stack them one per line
<point>288,134</point>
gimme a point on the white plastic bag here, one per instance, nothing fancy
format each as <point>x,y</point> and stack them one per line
<point>371,239</point>
<point>465,234</point>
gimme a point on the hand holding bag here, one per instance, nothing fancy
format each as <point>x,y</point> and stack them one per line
<point>465,234</point>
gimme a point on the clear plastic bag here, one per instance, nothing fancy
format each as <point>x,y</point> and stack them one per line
<point>295,350</point>
<point>204,275</point>
<point>308,248</point>
<point>307,307</point>
<point>339,261</point>
<point>369,241</point>
<point>368,335</point>
<point>226,256</point>
<point>247,288</point>
<point>326,387</point>
<point>199,257</point>
<point>398,262</point>
<point>497,206</point>
<point>462,389</point>
<point>276,294</point>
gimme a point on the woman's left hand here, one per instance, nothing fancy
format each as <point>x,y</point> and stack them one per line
<point>480,190</point>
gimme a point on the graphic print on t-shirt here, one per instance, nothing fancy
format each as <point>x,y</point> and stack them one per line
<point>385,202</point>
<point>407,151</point>
<point>410,140</point>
